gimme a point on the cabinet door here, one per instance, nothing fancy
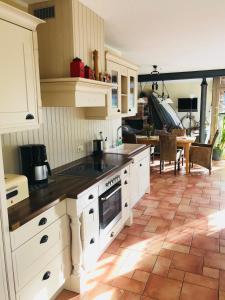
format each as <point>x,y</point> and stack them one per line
<point>125,198</point>
<point>18,95</point>
<point>132,92</point>
<point>115,104</point>
<point>134,184</point>
<point>3,284</point>
<point>143,175</point>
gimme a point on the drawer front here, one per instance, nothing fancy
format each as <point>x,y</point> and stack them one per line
<point>49,280</point>
<point>36,225</point>
<point>31,257</point>
<point>125,199</point>
<point>141,155</point>
<point>87,198</point>
<point>125,173</point>
<point>90,221</point>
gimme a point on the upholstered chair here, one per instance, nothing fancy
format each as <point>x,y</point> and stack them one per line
<point>180,132</point>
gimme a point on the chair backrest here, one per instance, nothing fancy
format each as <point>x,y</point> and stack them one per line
<point>168,147</point>
<point>129,138</point>
<point>179,132</point>
<point>214,138</point>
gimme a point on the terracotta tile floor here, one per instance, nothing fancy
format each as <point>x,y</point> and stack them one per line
<point>175,248</point>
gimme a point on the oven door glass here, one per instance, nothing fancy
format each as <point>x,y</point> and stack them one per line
<point>110,205</point>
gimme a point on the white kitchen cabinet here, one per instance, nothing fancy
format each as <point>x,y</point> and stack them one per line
<point>19,76</point>
<point>140,176</point>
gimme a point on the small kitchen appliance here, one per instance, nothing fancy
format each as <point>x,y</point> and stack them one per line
<point>16,188</point>
<point>34,163</point>
<point>98,147</point>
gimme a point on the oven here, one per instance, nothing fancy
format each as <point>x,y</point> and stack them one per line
<point>110,204</point>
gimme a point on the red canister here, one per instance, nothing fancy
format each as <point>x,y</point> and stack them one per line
<point>88,72</point>
<point>77,68</point>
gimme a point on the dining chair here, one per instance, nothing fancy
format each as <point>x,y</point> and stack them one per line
<point>169,151</point>
<point>201,154</point>
<point>180,132</point>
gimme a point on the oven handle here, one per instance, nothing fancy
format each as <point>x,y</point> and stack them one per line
<point>108,196</point>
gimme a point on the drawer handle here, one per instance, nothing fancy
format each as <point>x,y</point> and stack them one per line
<point>112,234</point>
<point>29,117</point>
<point>125,172</point>
<point>44,239</point>
<point>129,109</point>
<point>91,197</point>
<point>126,205</point>
<point>91,211</point>
<point>92,241</point>
<point>118,110</point>
<point>43,221</point>
<point>46,275</point>
<point>140,165</point>
<point>125,182</point>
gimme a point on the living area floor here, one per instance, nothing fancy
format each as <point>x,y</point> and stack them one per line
<point>175,248</point>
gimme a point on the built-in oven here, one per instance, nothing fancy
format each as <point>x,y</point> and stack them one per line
<point>110,204</point>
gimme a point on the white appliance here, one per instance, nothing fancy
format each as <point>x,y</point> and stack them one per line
<point>16,188</point>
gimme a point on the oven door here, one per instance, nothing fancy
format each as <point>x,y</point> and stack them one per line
<point>110,205</point>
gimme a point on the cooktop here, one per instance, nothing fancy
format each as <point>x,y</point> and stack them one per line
<point>89,169</point>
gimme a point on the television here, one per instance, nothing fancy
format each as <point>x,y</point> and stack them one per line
<point>187,104</point>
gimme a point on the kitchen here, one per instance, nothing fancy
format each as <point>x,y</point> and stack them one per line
<point>53,233</point>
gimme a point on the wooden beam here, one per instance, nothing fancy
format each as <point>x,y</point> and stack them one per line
<point>181,75</point>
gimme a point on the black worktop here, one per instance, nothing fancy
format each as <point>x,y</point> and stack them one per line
<point>61,187</point>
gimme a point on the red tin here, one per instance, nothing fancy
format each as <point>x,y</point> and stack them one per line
<point>77,68</point>
<point>88,72</point>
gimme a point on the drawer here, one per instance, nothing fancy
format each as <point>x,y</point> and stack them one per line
<point>141,155</point>
<point>90,221</point>
<point>49,280</point>
<point>31,257</point>
<point>36,225</point>
<point>86,198</point>
<point>125,199</point>
<point>125,172</point>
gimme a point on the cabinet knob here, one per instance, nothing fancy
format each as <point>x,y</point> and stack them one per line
<point>91,211</point>
<point>29,117</point>
<point>129,109</point>
<point>118,110</point>
<point>125,172</point>
<point>112,234</point>
<point>125,182</point>
<point>91,197</point>
<point>44,239</point>
<point>46,275</point>
<point>92,241</point>
<point>126,204</point>
<point>140,165</point>
<point>43,221</point>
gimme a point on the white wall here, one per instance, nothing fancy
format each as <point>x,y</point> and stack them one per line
<point>186,89</point>
<point>62,131</point>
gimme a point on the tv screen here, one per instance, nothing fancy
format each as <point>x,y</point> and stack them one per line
<point>187,104</point>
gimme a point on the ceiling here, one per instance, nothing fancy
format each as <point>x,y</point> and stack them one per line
<point>177,35</point>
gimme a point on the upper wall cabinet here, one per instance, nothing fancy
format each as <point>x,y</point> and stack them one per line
<point>20,101</point>
<point>122,100</point>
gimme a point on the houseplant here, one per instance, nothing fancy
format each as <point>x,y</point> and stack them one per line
<point>218,151</point>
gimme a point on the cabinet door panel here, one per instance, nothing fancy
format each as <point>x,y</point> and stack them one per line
<point>134,184</point>
<point>17,77</point>
<point>143,172</point>
<point>132,92</point>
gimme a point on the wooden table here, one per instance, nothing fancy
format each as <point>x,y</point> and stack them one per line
<point>182,141</point>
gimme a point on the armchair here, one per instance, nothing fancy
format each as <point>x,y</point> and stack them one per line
<point>201,154</point>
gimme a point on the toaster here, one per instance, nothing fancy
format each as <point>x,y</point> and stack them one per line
<point>16,188</point>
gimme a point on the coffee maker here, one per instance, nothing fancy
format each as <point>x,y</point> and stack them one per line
<point>34,163</point>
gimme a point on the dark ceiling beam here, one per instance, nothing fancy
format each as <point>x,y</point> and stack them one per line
<point>181,75</point>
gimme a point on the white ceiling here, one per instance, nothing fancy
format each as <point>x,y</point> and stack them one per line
<point>177,35</point>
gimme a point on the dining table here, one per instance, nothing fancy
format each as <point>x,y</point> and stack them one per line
<point>182,141</point>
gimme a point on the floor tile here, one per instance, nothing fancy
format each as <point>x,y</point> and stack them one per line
<point>188,263</point>
<point>201,280</point>
<point>141,276</point>
<point>162,288</point>
<point>176,274</point>
<point>162,266</point>
<point>206,243</point>
<point>215,260</point>
<point>213,273</point>
<point>128,284</point>
<point>191,291</point>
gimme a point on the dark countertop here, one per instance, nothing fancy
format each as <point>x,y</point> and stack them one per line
<point>62,187</point>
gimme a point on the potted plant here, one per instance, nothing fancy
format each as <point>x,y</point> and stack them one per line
<point>218,151</point>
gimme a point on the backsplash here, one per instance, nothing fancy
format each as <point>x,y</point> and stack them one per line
<point>62,131</point>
